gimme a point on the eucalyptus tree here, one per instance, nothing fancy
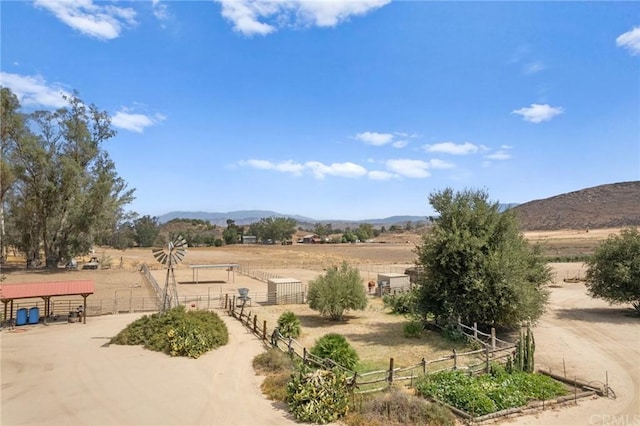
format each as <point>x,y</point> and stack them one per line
<point>67,191</point>
<point>477,264</point>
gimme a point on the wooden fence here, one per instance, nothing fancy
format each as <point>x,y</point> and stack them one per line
<point>472,361</point>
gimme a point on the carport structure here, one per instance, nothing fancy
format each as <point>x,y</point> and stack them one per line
<point>230,267</point>
<point>46,291</point>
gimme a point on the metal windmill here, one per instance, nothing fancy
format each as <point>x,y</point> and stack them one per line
<point>170,256</point>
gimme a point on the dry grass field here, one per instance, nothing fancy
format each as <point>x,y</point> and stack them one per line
<point>585,337</point>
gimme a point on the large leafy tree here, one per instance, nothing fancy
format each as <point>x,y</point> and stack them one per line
<point>613,272</point>
<point>12,129</point>
<point>146,230</point>
<point>273,228</point>
<point>477,265</point>
<point>66,192</point>
<point>337,291</point>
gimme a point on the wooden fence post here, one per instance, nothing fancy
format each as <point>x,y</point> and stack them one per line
<point>493,338</point>
<point>264,330</point>
<point>475,330</point>
<point>255,323</point>
<point>226,301</point>
<point>455,360</point>
<point>390,371</point>
<point>424,366</point>
<point>304,356</point>
<point>486,354</point>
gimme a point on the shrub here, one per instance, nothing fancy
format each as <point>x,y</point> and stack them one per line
<point>396,407</point>
<point>176,332</point>
<point>401,303</point>
<point>338,291</point>
<point>336,348</point>
<point>289,324</point>
<point>274,386</point>
<point>273,361</point>
<point>319,396</point>
<point>413,329</point>
<point>218,242</point>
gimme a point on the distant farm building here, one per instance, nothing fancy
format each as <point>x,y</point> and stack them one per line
<point>249,239</point>
<point>391,283</point>
<point>283,291</point>
<point>311,239</point>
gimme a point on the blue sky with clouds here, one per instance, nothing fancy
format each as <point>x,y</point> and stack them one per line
<point>340,109</point>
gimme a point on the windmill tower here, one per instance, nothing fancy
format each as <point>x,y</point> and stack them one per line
<point>170,256</point>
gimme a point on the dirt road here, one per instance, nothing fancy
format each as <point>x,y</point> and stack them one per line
<point>67,374</point>
<point>595,340</point>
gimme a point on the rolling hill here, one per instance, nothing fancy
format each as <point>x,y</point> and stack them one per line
<point>613,205</point>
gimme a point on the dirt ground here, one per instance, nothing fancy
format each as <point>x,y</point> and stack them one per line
<point>87,383</point>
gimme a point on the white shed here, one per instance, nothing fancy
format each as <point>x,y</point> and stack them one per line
<point>390,283</point>
<point>284,291</point>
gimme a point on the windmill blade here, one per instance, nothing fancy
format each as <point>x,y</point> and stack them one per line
<point>160,255</point>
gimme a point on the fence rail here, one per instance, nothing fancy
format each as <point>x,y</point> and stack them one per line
<point>472,361</point>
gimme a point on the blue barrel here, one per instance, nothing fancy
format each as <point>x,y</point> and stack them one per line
<point>34,315</point>
<point>21,316</point>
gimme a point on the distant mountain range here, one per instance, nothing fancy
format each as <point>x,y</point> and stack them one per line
<point>247,217</point>
<point>604,206</point>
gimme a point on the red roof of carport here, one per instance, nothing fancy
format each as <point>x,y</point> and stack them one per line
<point>46,289</point>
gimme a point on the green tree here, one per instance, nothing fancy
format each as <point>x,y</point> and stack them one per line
<point>337,291</point>
<point>477,265</point>
<point>613,272</point>
<point>12,129</point>
<point>66,192</point>
<point>146,230</point>
<point>273,228</point>
<point>322,230</point>
<point>232,233</point>
<point>364,232</point>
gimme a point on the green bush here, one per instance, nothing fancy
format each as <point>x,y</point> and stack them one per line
<point>413,329</point>
<point>401,303</point>
<point>218,242</point>
<point>396,407</point>
<point>273,361</point>
<point>319,396</point>
<point>176,332</point>
<point>335,347</point>
<point>289,324</point>
<point>488,393</point>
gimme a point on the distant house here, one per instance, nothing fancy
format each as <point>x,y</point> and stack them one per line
<point>311,239</point>
<point>249,239</point>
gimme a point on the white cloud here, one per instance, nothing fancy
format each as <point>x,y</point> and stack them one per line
<point>409,168</point>
<point>381,175</point>
<point>348,169</point>
<point>374,138</point>
<point>317,169</point>
<point>160,10</point>
<point>34,90</point>
<point>533,67</point>
<point>452,148</point>
<point>537,113</point>
<point>630,41</point>
<point>135,122</point>
<point>399,144</point>
<point>440,164</point>
<point>100,21</point>
<point>498,155</point>
<point>248,16</point>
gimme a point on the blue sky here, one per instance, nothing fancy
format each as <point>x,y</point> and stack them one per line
<point>340,109</point>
